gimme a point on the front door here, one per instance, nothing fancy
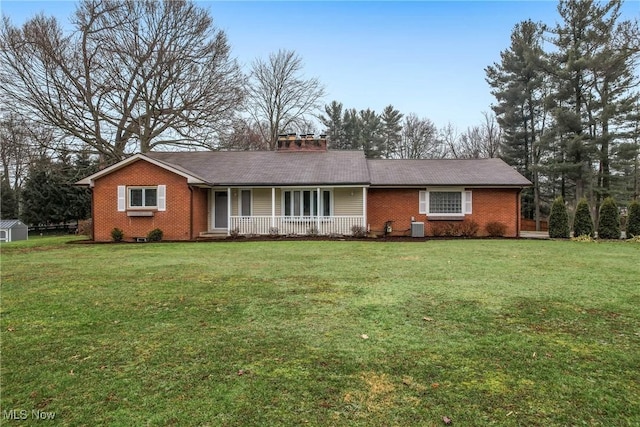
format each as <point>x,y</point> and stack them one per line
<point>221,210</point>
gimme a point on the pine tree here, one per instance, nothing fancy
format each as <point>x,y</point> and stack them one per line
<point>558,220</point>
<point>370,139</point>
<point>352,127</point>
<point>334,125</point>
<point>609,224</point>
<point>391,131</point>
<point>518,82</point>
<point>633,220</point>
<point>582,223</point>
<point>9,206</point>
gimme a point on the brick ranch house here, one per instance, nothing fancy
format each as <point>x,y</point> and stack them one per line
<point>301,188</point>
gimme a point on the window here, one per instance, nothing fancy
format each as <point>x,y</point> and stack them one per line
<point>245,203</point>
<point>146,197</point>
<point>305,203</point>
<point>142,197</point>
<point>445,202</point>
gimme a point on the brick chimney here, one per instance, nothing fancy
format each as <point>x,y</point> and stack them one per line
<point>305,142</point>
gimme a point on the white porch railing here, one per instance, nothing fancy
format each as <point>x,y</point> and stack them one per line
<point>295,225</point>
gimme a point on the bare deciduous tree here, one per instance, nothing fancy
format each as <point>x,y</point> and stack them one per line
<point>20,143</point>
<point>279,97</point>
<point>133,75</point>
<point>477,142</point>
<point>419,139</point>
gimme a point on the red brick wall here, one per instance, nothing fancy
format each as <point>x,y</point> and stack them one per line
<point>200,210</point>
<point>175,222</point>
<point>399,205</point>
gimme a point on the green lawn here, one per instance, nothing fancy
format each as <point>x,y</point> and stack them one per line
<point>485,332</point>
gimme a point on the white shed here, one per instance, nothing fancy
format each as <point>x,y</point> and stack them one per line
<point>12,230</point>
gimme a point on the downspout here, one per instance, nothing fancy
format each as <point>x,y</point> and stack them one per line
<point>518,199</point>
<point>93,217</point>
<point>190,212</point>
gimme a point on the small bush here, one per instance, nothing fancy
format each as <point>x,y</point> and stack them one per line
<point>558,220</point>
<point>582,223</point>
<point>117,235</point>
<point>438,229</point>
<point>358,231</point>
<point>452,229</point>
<point>609,224</point>
<point>85,227</point>
<point>468,228</point>
<point>496,229</point>
<point>234,233</point>
<point>312,231</point>
<point>583,238</point>
<point>154,235</point>
<point>274,232</point>
<point>633,220</point>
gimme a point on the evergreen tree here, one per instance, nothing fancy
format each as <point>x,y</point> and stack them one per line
<point>352,129</point>
<point>49,196</point>
<point>371,139</point>
<point>391,131</point>
<point>582,223</point>
<point>558,220</point>
<point>633,220</point>
<point>334,126</point>
<point>609,223</point>
<point>42,195</point>
<point>9,206</point>
<point>519,85</point>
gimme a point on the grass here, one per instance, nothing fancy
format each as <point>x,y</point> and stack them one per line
<point>485,332</point>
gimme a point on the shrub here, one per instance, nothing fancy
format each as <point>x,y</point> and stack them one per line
<point>496,229</point>
<point>582,223</point>
<point>312,231</point>
<point>234,233</point>
<point>117,235</point>
<point>438,229</point>
<point>358,231</point>
<point>468,228</point>
<point>453,229</point>
<point>558,220</point>
<point>155,235</point>
<point>583,238</point>
<point>633,220</point>
<point>85,227</point>
<point>274,232</point>
<point>609,224</point>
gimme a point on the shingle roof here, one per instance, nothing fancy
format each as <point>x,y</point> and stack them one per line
<point>477,172</point>
<point>270,168</point>
<point>10,223</point>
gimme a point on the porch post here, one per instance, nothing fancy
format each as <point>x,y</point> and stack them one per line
<point>228,211</point>
<point>319,211</point>
<point>364,207</point>
<point>273,207</point>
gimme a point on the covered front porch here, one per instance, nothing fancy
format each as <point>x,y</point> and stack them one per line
<point>318,210</point>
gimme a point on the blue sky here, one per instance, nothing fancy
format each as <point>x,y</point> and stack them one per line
<point>426,57</point>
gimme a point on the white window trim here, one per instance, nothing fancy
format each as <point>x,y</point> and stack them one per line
<point>466,205</point>
<point>240,190</point>
<point>161,197</point>
<point>312,189</point>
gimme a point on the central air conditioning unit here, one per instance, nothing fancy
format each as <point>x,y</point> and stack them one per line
<point>417,229</point>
